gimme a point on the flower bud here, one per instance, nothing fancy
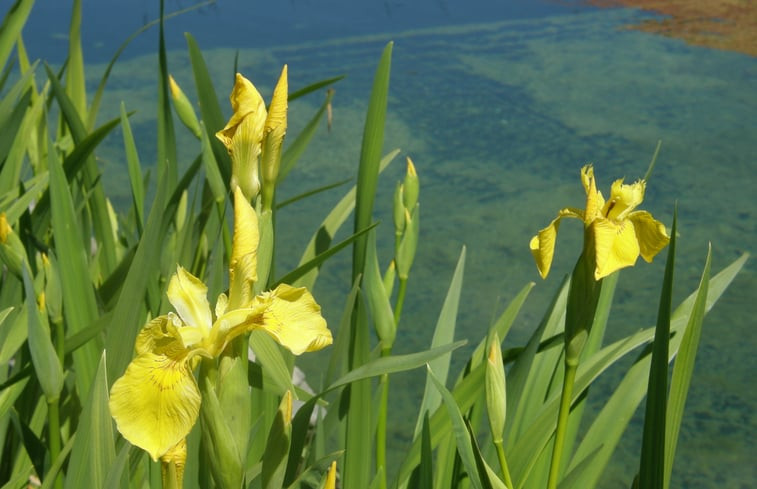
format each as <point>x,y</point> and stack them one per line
<point>411,186</point>
<point>405,254</point>
<point>273,139</point>
<point>184,108</point>
<point>496,400</point>
<point>12,252</point>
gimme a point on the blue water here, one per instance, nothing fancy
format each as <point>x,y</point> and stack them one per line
<point>499,104</point>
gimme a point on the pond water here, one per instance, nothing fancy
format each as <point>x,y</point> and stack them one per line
<point>499,106</point>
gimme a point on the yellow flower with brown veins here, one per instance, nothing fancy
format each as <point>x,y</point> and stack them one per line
<point>156,402</point>
<point>615,232</point>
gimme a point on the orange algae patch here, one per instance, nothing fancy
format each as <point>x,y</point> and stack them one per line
<point>721,24</point>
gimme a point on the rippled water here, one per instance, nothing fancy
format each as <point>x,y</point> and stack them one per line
<point>499,116</point>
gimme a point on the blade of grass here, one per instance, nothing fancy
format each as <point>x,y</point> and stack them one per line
<point>314,86</point>
<point>464,446</point>
<point>212,116</point>
<point>684,369</point>
<point>12,25</point>
<point>134,169</point>
<point>79,302</point>
<point>310,193</point>
<point>297,147</point>
<point>652,464</point>
<point>93,452</point>
<point>444,333</point>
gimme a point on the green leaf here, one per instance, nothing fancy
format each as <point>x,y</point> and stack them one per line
<point>394,364</point>
<point>297,147</point>
<point>167,159</point>
<point>277,447</point>
<point>212,117</point>
<point>310,193</point>
<point>313,87</point>
<point>370,156</point>
<point>134,169</point>
<point>652,465</point>
<point>444,333</point>
<point>378,301</point>
<point>79,303</point>
<point>93,452</point>
<point>294,276</point>
<point>321,239</point>
<point>464,446</point>
<point>13,22</point>
<point>268,354</point>
<point>684,368</point>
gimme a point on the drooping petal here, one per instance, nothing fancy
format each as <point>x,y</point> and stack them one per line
<point>623,199</point>
<point>650,233</point>
<point>189,296</point>
<point>155,403</point>
<point>293,318</point>
<point>246,102</point>
<point>615,245</point>
<point>543,244</point>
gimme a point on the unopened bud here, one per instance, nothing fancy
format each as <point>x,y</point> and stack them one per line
<point>496,400</point>
<point>184,108</point>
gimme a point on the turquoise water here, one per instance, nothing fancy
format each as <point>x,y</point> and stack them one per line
<point>499,113</point>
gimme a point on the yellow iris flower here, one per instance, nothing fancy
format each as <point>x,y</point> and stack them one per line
<point>156,402</point>
<point>618,234</point>
<point>253,130</point>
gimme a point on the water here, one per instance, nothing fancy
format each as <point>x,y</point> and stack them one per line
<point>499,107</point>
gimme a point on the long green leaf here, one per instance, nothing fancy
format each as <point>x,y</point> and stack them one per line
<point>94,450</point>
<point>134,169</point>
<point>212,116</point>
<point>79,303</point>
<point>13,22</point>
<point>684,368</point>
<point>464,446</point>
<point>167,160</point>
<point>652,465</point>
<point>46,363</point>
<point>394,364</point>
<point>370,156</point>
<point>297,147</point>
<point>444,333</point>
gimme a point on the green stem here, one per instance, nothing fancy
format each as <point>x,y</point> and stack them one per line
<point>562,420</point>
<point>503,464</point>
<point>400,300</point>
<point>381,425</point>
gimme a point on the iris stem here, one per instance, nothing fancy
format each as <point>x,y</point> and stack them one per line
<point>503,464</point>
<point>562,420</point>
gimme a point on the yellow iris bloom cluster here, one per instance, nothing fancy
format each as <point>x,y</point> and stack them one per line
<point>156,402</point>
<point>618,233</point>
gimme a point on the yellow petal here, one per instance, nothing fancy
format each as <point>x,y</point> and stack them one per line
<point>594,200</point>
<point>623,199</point>
<point>244,253</point>
<point>293,318</point>
<point>155,403</point>
<point>246,102</point>
<point>615,244</point>
<point>189,296</point>
<point>331,477</point>
<point>650,233</point>
<point>277,115</point>
<point>543,244</point>
<point>161,336</point>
